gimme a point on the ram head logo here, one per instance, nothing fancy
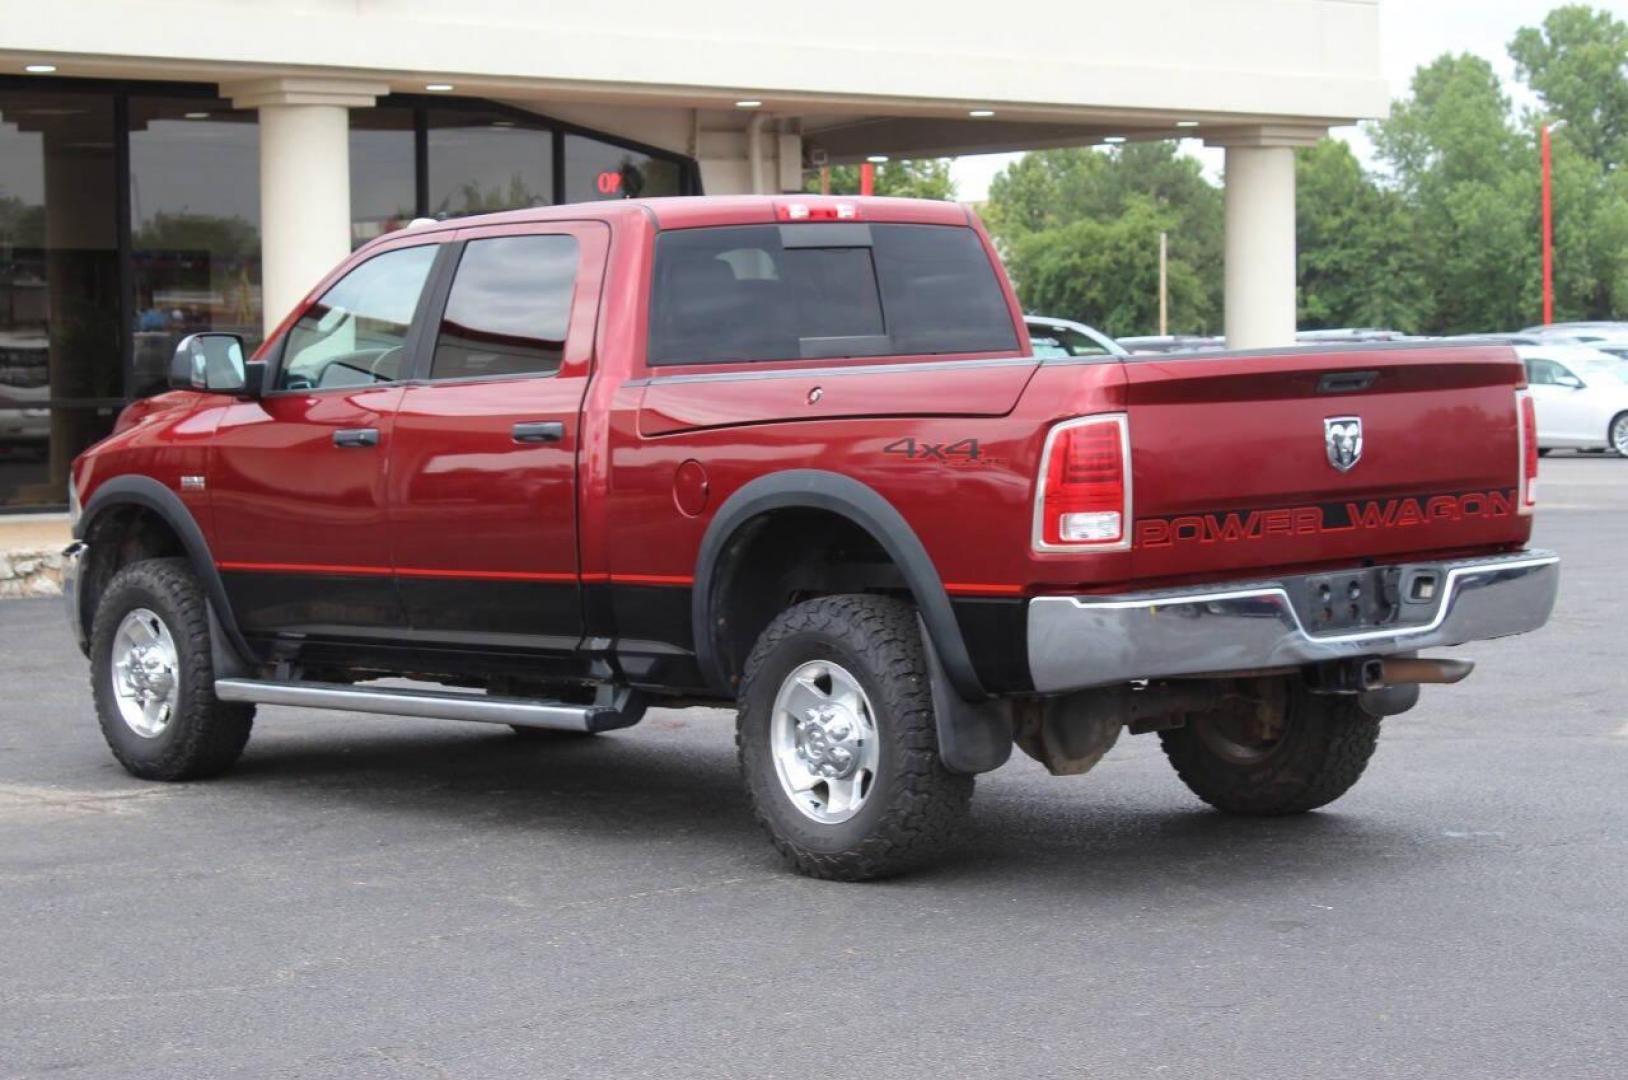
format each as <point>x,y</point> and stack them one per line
<point>1342,435</point>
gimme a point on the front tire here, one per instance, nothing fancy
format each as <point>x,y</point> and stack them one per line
<point>1294,752</point>
<point>153,676</point>
<point>838,743</point>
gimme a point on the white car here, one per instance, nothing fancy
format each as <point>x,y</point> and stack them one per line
<point>1581,396</point>
<point>1062,338</point>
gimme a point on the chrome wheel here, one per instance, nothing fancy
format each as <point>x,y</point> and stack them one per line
<point>1619,435</point>
<point>146,673</point>
<point>822,736</point>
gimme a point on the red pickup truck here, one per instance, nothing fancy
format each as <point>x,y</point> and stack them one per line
<point>794,455</point>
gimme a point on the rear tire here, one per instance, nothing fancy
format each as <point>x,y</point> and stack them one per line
<point>1617,434</point>
<point>838,743</point>
<point>153,676</point>
<point>1303,753</point>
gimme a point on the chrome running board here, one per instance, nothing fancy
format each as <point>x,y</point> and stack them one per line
<point>623,710</point>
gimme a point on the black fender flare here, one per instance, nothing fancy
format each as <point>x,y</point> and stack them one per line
<point>974,732</point>
<point>145,492</point>
<point>816,489</point>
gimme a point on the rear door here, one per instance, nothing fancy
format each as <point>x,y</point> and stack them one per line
<point>296,478</point>
<point>482,489</point>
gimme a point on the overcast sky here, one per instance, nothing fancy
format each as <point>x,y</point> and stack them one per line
<point>1412,32</point>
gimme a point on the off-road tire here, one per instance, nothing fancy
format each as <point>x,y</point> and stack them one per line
<point>204,735</point>
<point>911,813</point>
<point>1325,746</point>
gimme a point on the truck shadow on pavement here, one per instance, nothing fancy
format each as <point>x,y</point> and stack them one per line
<point>1127,836</point>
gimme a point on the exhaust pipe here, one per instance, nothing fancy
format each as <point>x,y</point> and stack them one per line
<point>1402,670</point>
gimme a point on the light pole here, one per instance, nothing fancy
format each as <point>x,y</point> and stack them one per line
<point>1549,225</point>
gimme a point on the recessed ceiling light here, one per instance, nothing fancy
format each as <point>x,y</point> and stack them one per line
<point>748,104</point>
<point>438,87</point>
<point>1187,123</point>
<point>503,123</point>
<point>877,159</point>
<point>40,69</point>
<point>1115,139</point>
<point>196,115</point>
<point>981,113</point>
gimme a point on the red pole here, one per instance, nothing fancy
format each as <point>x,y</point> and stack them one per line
<point>867,179</point>
<point>1548,234</point>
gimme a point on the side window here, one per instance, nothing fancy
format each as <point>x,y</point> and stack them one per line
<point>1078,344</point>
<point>941,293</point>
<point>1048,343</point>
<point>509,308</point>
<point>353,335</point>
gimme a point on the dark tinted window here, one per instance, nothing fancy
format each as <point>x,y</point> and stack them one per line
<point>767,292</point>
<point>509,308</point>
<point>940,291</point>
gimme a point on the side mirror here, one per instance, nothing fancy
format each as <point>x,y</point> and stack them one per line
<point>1570,382</point>
<point>211,363</point>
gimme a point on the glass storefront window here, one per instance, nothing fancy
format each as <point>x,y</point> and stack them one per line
<point>596,170</point>
<point>195,228</point>
<point>90,315</point>
<point>481,161</point>
<point>60,379</point>
<point>383,178</point>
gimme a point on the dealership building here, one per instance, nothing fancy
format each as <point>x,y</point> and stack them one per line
<point>169,167</point>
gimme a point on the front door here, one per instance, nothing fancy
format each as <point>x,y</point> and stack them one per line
<point>1563,408</point>
<point>483,458</point>
<point>296,479</point>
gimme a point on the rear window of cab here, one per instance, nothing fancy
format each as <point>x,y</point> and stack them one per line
<point>823,291</point>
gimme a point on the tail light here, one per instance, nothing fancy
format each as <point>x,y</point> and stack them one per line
<point>1083,500</point>
<point>1528,496</point>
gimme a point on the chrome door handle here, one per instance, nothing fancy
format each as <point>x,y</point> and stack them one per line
<point>354,437</point>
<point>539,431</point>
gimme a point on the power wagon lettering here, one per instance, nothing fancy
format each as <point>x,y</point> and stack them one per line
<point>1327,518</point>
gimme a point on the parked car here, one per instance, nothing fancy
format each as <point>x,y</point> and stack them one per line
<point>792,455</point>
<point>1053,338</point>
<point>1608,337</point>
<point>1581,395</point>
<point>1157,345</point>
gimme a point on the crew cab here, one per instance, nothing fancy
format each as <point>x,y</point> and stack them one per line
<point>795,456</point>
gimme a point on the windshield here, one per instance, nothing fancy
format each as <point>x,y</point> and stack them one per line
<point>1603,372</point>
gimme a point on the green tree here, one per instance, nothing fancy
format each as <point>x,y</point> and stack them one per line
<point>1577,63</point>
<point>1358,262</point>
<point>1050,200</point>
<point>927,178</point>
<point>1105,272</point>
<point>1470,181</point>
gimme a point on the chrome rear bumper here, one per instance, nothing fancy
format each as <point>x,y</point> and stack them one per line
<point>1082,641</point>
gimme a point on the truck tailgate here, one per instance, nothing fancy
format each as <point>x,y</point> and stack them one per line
<point>1237,459</point>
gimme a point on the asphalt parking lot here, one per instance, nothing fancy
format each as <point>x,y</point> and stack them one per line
<point>375,897</point>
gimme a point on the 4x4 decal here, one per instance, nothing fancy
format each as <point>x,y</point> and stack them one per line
<point>962,453</point>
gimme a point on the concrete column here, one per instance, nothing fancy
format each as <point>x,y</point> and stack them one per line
<point>304,180</point>
<point>1260,233</point>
